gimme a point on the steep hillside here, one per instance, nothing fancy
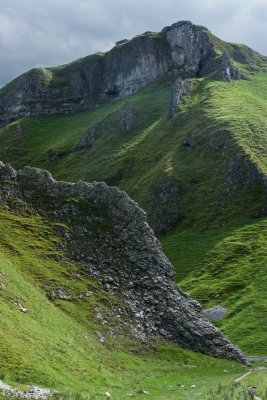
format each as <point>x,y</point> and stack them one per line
<point>48,347</point>
<point>227,266</point>
<point>178,120</point>
<point>70,302</point>
<point>191,152</point>
<point>203,167</point>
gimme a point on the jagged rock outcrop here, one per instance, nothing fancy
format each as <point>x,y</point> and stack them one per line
<point>186,48</point>
<point>226,70</point>
<point>86,141</point>
<point>107,235</point>
<point>180,89</point>
<point>126,119</point>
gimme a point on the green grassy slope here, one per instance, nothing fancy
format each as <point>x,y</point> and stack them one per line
<point>202,171</point>
<point>207,152</point>
<point>48,346</point>
<point>32,138</point>
<point>227,266</point>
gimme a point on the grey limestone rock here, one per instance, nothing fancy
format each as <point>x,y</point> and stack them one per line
<point>190,46</point>
<point>31,392</point>
<point>165,193</point>
<point>226,70</point>
<point>215,313</point>
<point>126,118</point>
<point>179,90</point>
<point>86,141</point>
<point>111,240</point>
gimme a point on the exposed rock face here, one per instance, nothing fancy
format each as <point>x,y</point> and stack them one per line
<point>106,233</point>
<point>226,70</point>
<point>166,191</point>
<point>86,141</point>
<point>190,47</point>
<point>122,71</point>
<point>180,89</point>
<point>126,119</point>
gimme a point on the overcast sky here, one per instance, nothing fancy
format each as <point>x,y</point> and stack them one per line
<point>52,32</point>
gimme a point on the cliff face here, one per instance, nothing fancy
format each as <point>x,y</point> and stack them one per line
<point>107,235</point>
<point>183,48</point>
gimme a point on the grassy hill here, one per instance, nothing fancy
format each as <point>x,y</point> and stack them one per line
<point>200,176</point>
<point>56,343</point>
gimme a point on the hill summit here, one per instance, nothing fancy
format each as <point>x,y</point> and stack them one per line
<point>182,50</point>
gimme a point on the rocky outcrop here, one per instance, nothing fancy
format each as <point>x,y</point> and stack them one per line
<point>190,47</point>
<point>86,140</point>
<point>107,235</point>
<point>183,47</point>
<point>215,313</point>
<point>29,392</point>
<point>126,118</point>
<point>180,89</point>
<point>164,210</point>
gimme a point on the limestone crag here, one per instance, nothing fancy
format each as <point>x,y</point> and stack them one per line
<point>107,235</point>
<point>183,47</point>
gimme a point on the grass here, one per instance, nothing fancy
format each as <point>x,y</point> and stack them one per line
<point>214,151</point>
<point>203,173</point>
<point>51,347</point>
<point>213,154</point>
<point>227,266</point>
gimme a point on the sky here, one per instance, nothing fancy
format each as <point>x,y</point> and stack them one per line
<point>52,32</point>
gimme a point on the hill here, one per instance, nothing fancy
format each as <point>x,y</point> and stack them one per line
<point>178,121</point>
<point>83,277</point>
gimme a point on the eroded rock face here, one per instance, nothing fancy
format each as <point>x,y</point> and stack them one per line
<point>190,47</point>
<point>107,235</point>
<point>86,140</point>
<point>126,118</point>
<point>180,89</point>
<point>122,71</point>
<point>165,192</point>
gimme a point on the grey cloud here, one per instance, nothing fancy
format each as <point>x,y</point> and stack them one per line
<point>52,32</point>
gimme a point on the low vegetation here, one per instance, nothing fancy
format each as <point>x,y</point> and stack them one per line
<point>204,172</point>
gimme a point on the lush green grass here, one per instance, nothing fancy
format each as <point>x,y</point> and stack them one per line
<point>50,346</point>
<point>227,266</point>
<point>209,151</point>
<point>214,153</point>
<point>243,105</point>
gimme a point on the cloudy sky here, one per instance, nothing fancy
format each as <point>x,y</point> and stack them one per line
<point>51,32</point>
